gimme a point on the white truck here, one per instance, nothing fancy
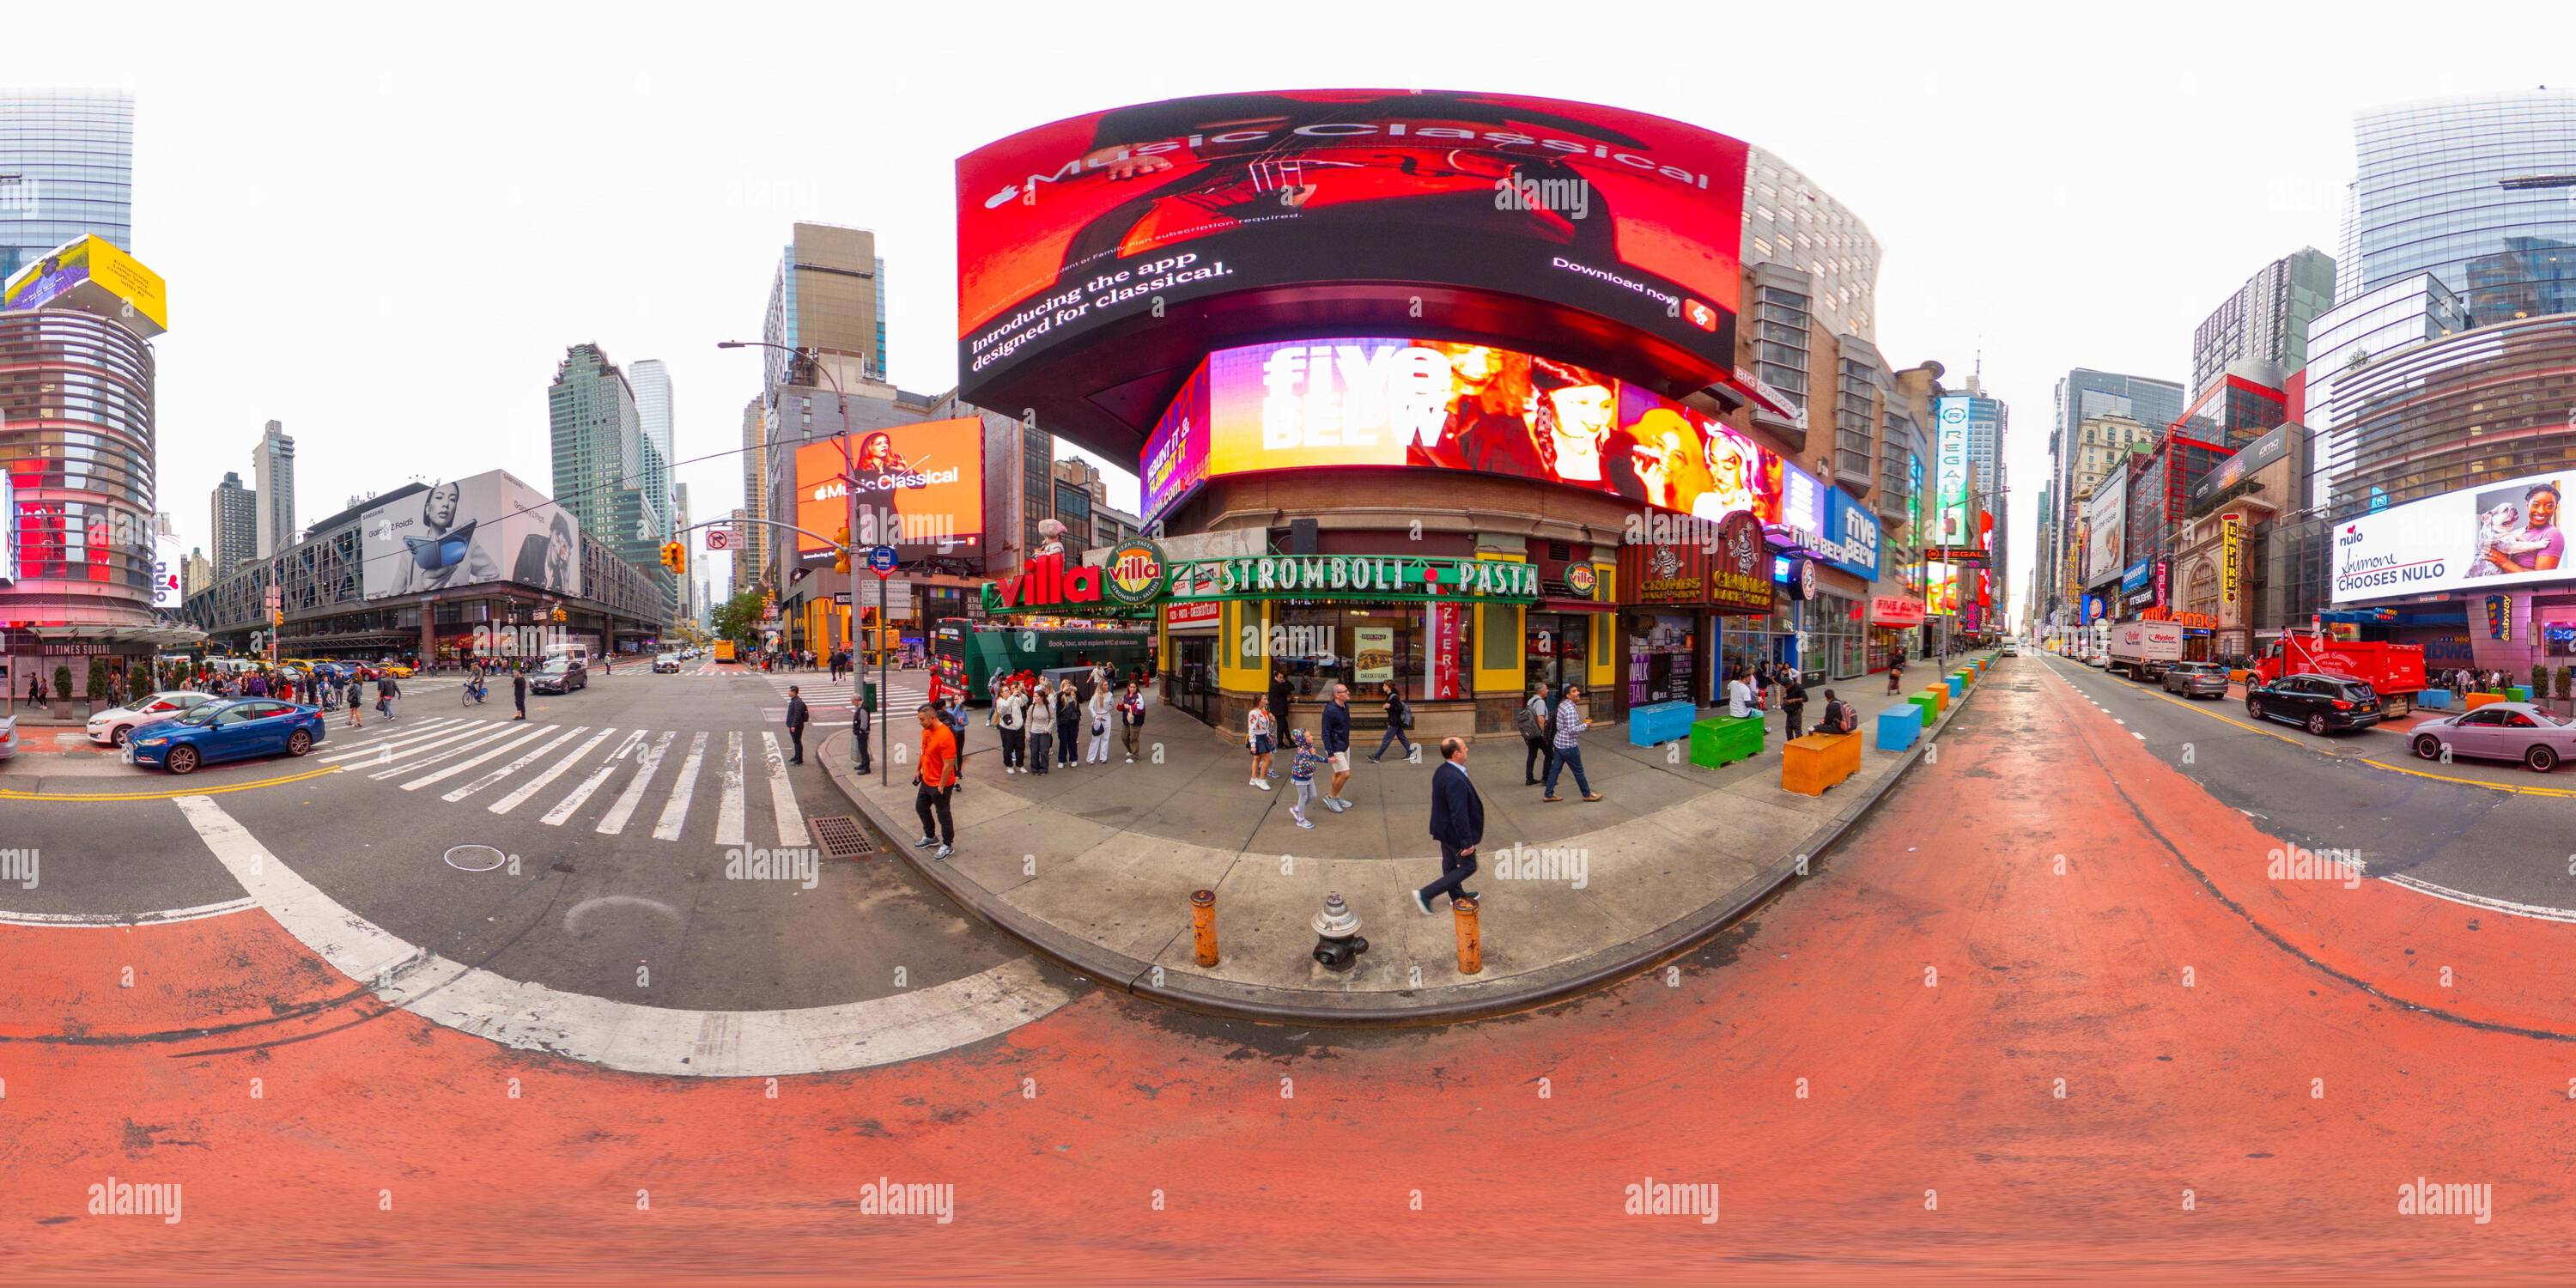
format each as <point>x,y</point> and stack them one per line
<point>2140,650</point>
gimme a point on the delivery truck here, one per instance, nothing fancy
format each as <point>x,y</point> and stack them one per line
<point>2395,671</point>
<point>2140,650</point>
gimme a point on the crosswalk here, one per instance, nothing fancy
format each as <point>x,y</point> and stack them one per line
<point>612,778</point>
<point>829,700</point>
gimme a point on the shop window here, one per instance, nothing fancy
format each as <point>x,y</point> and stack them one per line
<point>1364,646</point>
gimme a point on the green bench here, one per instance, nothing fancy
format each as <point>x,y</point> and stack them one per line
<point>1723,740</point>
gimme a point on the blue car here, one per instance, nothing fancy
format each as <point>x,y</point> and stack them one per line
<point>226,730</point>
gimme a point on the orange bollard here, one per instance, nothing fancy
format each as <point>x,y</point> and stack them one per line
<point>1203,925</point>
<point>1471,945</point>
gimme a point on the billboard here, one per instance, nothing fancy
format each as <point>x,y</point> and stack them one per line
<point>1849,538</point>
<point>2231,559</point>
<point>921,488</point>
<point>2493,535</point>
<point>10,526</point>
<point>1950,475</point>
<point>2106,519</point>
<point>1073,230</point>
<point>89,272</point>
<point>2243,465</point>
<point>168,553</point>
<point>464,532</point>
<point>1311,404</point>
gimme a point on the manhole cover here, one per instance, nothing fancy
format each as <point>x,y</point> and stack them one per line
<point>475,858</point>
<point>841,836</point>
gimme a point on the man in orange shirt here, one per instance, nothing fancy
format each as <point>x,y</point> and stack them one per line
<point>936,781</point>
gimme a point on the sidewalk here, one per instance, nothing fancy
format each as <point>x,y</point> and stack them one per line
<point>1093,867</point>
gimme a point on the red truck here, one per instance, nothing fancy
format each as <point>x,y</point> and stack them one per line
<point>2396,671</point>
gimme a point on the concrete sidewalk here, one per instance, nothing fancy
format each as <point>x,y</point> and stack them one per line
<point>1093,867</point>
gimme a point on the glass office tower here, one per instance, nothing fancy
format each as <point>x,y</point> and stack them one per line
<point>2475,190</point>
<point>66,169</point>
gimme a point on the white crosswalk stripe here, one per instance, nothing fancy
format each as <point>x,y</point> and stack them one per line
<point>564,808</point>
<point>538,784</point>
<point>428,754</point>
<point>675,812</point>
<point>782,798</point>
<point>393,739</point>
<point>614,821</point>
<point>729,806</point>
<point>513,767</point>
<point>461,766</point>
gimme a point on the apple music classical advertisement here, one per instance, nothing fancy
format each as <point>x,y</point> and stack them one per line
<point>1307,404</point>
<point>1088,221</point>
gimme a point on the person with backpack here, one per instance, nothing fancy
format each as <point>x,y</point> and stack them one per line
<point>1131,713</point>
<point>386,692</point>
<point>1531,723</point>
<point>1399,718</point>
<point>1839,716</point>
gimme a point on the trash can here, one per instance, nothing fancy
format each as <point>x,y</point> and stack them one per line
<point>868,694</point>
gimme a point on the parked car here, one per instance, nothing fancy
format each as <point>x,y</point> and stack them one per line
<point>2102,660</point>
<point>2012,648</point>
<point>2501,731</point>
<point>8,736</point>
<point>2319,703</point>
<point>666,662</point>
<point>559,675</point>
<point>225,730</point>
<point>108,728</point>
<point>2196,679</point>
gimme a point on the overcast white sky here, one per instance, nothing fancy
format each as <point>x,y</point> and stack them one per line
<point>382,226</point>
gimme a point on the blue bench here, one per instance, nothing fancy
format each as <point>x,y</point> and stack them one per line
<point>1898,727</point>
<point>2434,699</point>
<point>1659,722</point>
<point>1956,687</point>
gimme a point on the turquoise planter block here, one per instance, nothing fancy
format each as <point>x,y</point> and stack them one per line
<point>1898,727</point>
<point>1957,687</point>
<point>2434,699</point>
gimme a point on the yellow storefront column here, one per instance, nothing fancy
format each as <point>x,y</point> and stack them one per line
<point>1243,646</point>
<point>1501,644</point>
<point>1601,666</point>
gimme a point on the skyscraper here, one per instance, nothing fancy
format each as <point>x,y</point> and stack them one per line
<point>66,169</point>
<point>2084,394</point>
<point>2267,318</point>
<point>599,463</point>
<point>1988,421</point>
<point>2473,190</point>
<point>828,295</point>
<point>236,524</point>
<point>680,520</point>
<point>751,542</point>
<point>652,382</point>
<point>272,464</point>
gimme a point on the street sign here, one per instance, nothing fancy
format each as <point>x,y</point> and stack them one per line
<point>881,560</point>
<point>719,539</point>
<point>841,597</point>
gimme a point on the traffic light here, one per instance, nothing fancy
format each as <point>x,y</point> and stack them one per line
<point>675,556</point>
<point>841,550</point>
<point>561,616</point>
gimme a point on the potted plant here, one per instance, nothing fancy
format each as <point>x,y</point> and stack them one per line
<point>2566,690</point>
<point>62,693</point>
<point>139,683</point>
<point>100,687</point>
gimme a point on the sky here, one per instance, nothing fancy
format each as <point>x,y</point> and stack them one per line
<point>383,226</point>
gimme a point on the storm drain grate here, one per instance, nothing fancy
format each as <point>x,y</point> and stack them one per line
<point>841,836</point>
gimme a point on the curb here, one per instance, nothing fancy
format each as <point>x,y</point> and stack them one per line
<point>1530,990</point>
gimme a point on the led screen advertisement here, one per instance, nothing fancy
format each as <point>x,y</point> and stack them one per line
<point>2106,518</point>
<point>1950,475</point>
<point>89,272</point>
<point>1310,404</point>
<point>1091,221</point>
<point>2489,536</point>
<point>464,532</point>
<point>921,488</point>
<point>167,554</point>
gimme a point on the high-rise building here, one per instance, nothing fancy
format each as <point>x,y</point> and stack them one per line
<point>2266,319</point>
<point>751,541</point>
<point>196,572</point>
<point>1989,419</point>
<point>66,169</point>
<point>599,463</point>
<point>272,464</point>
<point>2083,394</point>
<point>2473,190</point>
<point>236,524</point>
<point>829,296</point>
<point>680,520</point>
<point>1792,222</point>
<point>652,382</point>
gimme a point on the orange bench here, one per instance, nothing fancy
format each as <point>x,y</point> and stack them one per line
<point>2477,700</point>
<point>1811,764</point>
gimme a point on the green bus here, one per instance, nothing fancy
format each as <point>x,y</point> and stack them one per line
<point>968,655</point>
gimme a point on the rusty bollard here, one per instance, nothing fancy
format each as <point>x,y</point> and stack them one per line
<point>1471,945</point>
<point>1203,925</point>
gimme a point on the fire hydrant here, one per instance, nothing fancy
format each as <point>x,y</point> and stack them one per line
<point>1337,935</point>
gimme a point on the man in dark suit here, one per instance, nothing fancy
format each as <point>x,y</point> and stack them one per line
<point>1457,822</point>
<point>796,724</point>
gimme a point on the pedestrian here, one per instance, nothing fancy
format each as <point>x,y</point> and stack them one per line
<point>935,782</point>
<point>1261,734</point>
<point>1839,716</point>
<point>386,691</point>
<point>796,715</point>
<point>1097,709</point>
<point>1568,742</point>
<point>1895,671</point>
<point>1068,723</point>
<point>1793,703</point>
<point>1739,695</point>
<point>1280,693</point>
<point>860,717</point>
<point>1457,823</point>
<point>1337,744</point>
<point>1531,722</point>
<point>1041,722</point>
<point>352,700</point>
<point>519,693</point>
<point>1131,712</point>
<point>1010,708</point>
<point>1399,718</point>
<point>1301,775</point>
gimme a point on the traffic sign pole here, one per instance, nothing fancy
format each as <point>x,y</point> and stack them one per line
<point>885,731</point>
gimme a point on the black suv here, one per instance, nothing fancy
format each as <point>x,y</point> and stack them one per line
<point>2321,703</point>
<point>561,675</point>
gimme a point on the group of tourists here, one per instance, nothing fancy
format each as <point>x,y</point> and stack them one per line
<point>1041,722</point>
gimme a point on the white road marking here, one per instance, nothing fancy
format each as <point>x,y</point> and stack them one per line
<point>782,798</point>
<point>392,738</point>
<point>58,920</point>
<point>385,752</point>
<point>514,766</point>
<point>461,766</point>
<point>623,1035</point>
<point>675,813</point>
<point>729,806</point>
<point>471,741</point>
<point>614,821</point>
<point>2538,912</point>
<point>515,799</point>
<point>563,808</point>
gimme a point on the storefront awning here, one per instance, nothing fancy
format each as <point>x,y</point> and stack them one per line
<point>1573,606</point>
<point>157,636</point>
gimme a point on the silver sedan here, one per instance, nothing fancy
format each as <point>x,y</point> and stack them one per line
<point>2500,731</point>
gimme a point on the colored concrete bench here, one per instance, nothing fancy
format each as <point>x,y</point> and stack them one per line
<point>2434,699</point>
<point>1659,722</point>
<point>2477,700</point>
<point>1957,687</point>
<point>2519,693</point>
<point>1926,704</point>
<point>1898,727</point>
<point>1940,696</point>
<point>1811,764</point>
<point>1723,740</point>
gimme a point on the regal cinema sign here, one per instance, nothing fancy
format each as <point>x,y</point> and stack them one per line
<point>1134,574</point>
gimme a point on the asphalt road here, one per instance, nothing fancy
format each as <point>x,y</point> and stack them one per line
<point>2479,830</point>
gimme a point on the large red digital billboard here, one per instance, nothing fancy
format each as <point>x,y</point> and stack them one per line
<point>1464,212</point>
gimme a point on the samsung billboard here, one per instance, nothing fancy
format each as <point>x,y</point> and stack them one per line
<point>2488,537</point>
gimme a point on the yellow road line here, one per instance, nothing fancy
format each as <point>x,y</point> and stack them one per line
<point>167,795</point>
<point>2473,782</point>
